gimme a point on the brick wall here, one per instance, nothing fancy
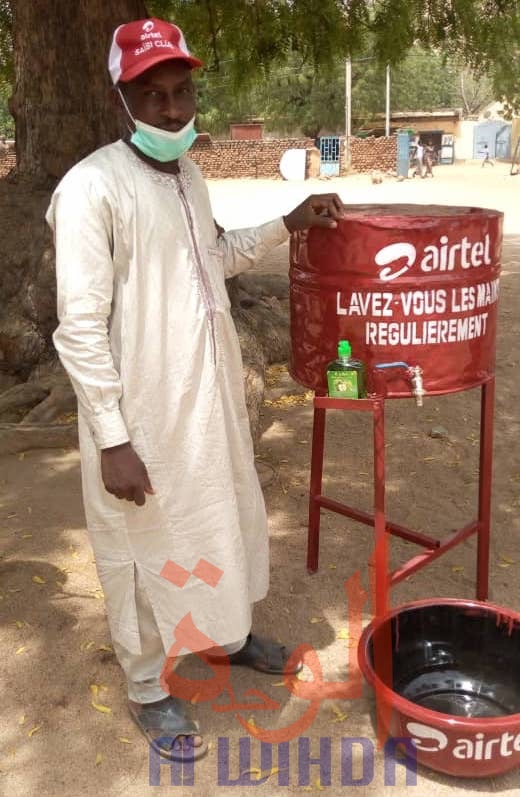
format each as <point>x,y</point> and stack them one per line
<point>375,152</point>
<point>7,160</point>
<point>244,158</point>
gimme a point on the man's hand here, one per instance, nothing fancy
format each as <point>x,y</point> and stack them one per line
<point>318,210</point>
<point>124,474</point>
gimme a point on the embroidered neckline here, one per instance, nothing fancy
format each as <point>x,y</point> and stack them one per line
<point>162,178</point>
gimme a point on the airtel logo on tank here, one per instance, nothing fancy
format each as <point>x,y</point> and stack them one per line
<point>476,748</point>
<point>444,256</point>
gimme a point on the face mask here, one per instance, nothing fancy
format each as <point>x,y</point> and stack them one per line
<point>161,145</point>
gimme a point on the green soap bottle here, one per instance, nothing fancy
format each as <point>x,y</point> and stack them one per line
<point>346,377</point>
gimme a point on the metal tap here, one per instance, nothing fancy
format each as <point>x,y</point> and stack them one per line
<point>414,372</point>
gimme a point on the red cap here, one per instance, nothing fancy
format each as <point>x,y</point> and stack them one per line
<point>139,45</point>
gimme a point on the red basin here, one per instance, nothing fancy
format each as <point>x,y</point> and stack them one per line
<point>448,677</point>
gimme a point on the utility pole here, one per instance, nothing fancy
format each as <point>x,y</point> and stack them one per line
<point>387,127</point>
<point>348,107</point>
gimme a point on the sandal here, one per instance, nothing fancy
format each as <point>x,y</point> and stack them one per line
<point>163,723</point>
<point>263,655</point>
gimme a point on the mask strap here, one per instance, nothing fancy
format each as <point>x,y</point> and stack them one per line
<point>127,109</point>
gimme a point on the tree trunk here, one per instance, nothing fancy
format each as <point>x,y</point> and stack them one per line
<point>61,102</point>
<point>62,111</point>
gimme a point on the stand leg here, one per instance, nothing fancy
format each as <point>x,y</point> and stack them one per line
<point>484,497</point>
<point>382,571</point>
<point>318,443</point>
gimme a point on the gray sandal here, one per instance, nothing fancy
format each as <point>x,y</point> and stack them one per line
<point>264,655</point>
<point>169,718</point>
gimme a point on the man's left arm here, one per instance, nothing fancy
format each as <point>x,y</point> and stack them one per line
<point>242,249</point>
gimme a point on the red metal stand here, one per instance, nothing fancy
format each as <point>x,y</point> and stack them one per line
<point>383,528</point>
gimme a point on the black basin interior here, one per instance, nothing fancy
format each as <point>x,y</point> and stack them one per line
<point>457,659</point>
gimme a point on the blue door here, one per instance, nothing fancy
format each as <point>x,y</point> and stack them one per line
<point>329,151</point>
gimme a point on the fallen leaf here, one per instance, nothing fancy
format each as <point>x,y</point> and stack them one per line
<point>21,456</point>
<point>13,514</point>
<point>332,567</point>
<point>278,683</point>
<point>428,459</point>
<point>21,719</point>
<point>99,759</point>
<point>343,633</point>
<point>252,722</point>
<point>20,623</point>
<point>22,649</point>
<point>29,510</point>
<point>34,730</point>
<point>337,711</point>
<point>457,569</point>
<point>59,584</point>
<point>124,740</point>
<point>507,559</point>
<point>259,774</point>
<point>317,620</point>
<point>106,648</point>
<point>12,589</point>
<point>26,536</point>
<point>101,708</point>
<point>39,580</point>
<point>87,645</point>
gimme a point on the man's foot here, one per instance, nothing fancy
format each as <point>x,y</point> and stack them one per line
<point>168,729</point>
<point>263,655</point>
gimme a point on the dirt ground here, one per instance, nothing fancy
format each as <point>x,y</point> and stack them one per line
<point>55,639</point>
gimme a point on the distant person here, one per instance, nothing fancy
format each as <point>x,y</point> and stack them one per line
<point>487,158</point>
<point>429,159</point>
<point>417,158</point>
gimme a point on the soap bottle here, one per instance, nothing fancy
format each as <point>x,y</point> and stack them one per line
<point>346,377</point>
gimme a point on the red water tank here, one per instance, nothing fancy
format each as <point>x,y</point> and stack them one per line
<point>411,283</point>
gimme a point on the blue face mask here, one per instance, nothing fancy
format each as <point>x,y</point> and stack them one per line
<point>161,145</point>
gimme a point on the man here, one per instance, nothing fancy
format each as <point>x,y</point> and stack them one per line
<point>173,504</point>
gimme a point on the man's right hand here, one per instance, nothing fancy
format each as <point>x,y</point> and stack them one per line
<point>124,474</point>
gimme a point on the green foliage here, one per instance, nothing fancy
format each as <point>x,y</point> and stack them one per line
<point>299,97</point>
<point>284,57</point>
<point>6,45</point>
<point>6,120</point>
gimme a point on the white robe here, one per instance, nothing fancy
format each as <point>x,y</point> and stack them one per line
<point>147,338</point>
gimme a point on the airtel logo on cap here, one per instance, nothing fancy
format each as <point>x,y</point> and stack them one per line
<point>148,26</point>
<point>428,739</point>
